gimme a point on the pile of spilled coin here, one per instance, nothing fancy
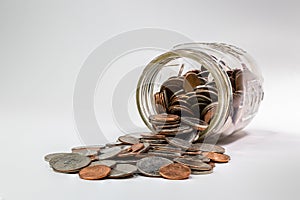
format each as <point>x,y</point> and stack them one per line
<point>185,105</point>
<point>155,154</point>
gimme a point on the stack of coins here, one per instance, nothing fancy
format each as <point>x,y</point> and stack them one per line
<point>150,154</point>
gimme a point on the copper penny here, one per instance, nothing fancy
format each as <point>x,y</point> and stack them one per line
<point>164,118</point>
<point>94,172</point>
<point>152,136</point>
<point>209,115</point>
<point>191,80</point>
<point>137,147</point>
<point>212,164</point>
<point>175,171</point>
<point>217,157</point>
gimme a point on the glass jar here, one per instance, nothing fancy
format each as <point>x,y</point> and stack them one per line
<point>227,75</point>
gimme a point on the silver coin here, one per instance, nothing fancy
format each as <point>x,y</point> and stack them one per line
<point>113,144</point>
<point>126,160</point>
<point>146,147</point>
<point>54,158</point>
<point>175,131</point>
<point>189,136</point>
<point>108,163</point>
<point>86,152</point>
<point>197,107</point>
<point>198,157</point>
<point>165,126</point>
<point>164,154</point>
<point>207,147</point>
<point>177,142</point>
<point>122,170</point>
<point>195,123</point>
<point>71,163</point>
<point>178,81</point>
<point>90,147</point>
<point>109,152</point>
<point>150,166</point>
<point>193,163</point>
<point>202,172</point>
<point>53,155</point>
<point>208,93</point>
<point>128,139</point>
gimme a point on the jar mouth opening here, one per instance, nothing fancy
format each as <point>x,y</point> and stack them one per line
<point>147,81</point>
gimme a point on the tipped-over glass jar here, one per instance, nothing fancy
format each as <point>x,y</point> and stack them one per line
<point>214,88</point>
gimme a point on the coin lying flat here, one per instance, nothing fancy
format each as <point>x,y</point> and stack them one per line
<point>70,163</point>
<point>128,139</point>
<point>94,172</point>
<point>90,147</point>
<point>137,147</point>
<point>170,155</point>
<point>86,152</point>
<point>198,157</point>
<point>54,155</point>
<point>175,171</point>
<point>122,170</point>
<point>164,118</point>
<point>207,147</point>
<point>201,172</point>
<point>152,136</point>
<point>193,164</point>
<point>178,142</point>
<point>195,123</point>
<point>174,131</point>
<point>108,163</point>
<point>55,158</point>
<point>189,136</point>
<point>109,152</point>
<point>150,166</point>
<point>217,157</point>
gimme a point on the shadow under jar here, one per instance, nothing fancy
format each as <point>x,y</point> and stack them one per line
<point>214,85</point>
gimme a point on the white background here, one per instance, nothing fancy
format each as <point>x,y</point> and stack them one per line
<point>43,45</point>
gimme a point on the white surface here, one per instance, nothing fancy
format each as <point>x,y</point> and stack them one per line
<point>43,45</point>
